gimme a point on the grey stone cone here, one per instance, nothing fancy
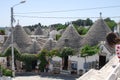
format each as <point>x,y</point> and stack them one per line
<point>70,38</point>
<point>49,45</point>
<point>96,33</point>
<point>20,38</point>
<point>27,30</point>
<point>38,31</point>
<point>34,48</point>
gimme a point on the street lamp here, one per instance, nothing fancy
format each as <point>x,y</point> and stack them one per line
<point>12,42</point>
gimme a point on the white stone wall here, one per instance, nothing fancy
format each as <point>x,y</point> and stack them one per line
<point>58,59</point>
<point>106,53</point>
<point>81,61</point>
<point>1,38</point>
<point>111,71</point>
<point>3,61</point>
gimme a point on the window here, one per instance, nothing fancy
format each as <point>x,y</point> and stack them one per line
<point>74,65</point>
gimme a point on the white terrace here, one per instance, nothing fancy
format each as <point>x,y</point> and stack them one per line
<point>111,71</point>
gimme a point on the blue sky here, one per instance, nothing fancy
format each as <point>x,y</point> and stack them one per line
<point>56,5</point>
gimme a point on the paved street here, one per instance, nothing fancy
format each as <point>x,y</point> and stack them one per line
<point>40,78</point>
<point>34,78</point>
<point>47,77</point>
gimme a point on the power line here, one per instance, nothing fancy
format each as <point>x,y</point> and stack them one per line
<point>83,9</point>
<point>62,17</point>
<point>52,17</point>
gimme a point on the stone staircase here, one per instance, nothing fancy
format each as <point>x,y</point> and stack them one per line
<point>111,71</point>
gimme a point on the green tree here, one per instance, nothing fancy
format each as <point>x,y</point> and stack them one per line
<point>2,32</point>
<point>43,60</point>
<point>66,51</point>
<point>58,26</point>
<point>89,22</point>
<point>110,23</point>
<point>81,22</point>
<point>26,58</point>
<point>58,36</point>
<point>82,30</point>
<point>53,52</point>
<point>4,71</point>
<point>8,53</point>
<point>88,50</point>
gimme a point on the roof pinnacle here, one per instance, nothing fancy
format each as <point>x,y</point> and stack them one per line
<point>101,15</point>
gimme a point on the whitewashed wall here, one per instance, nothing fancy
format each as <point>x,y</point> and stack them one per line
<point>106,53</point>
<point>81,61</point>
<point>1,38</point>
<point>58,59</point>
<point>111,71</point>
<point>3,61</point>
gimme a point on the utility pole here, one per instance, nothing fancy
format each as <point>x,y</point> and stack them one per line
<point>12,37</point>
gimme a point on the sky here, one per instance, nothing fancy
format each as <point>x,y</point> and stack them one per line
<point>45,8</point>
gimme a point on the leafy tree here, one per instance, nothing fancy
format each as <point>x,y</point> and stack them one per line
<point>58,26</point>
<point>82,30</point>
<point>88,50</point>
<point>2,32</point>
<point>78,22</point>
<point>8,53</point>
<point>33,27</point>
<point>42,58</point>
<point>53,52</point>
<point>81,22</point>
<point>5,71</point>
<point>66,51</point>
<point>26,58</point>
<point>89,22</point>
<point>58,36</point>
<point>110,23</point>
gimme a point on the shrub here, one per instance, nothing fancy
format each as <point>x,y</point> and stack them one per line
<point>7,72</point>
<point>42,58</point>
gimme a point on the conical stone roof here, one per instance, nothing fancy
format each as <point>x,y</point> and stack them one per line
<point>53,34</point>
<point>38,31</point>
<point>70,38</point>
<point>96,33</point>
<point>14,46</point>
<point>27,30</point>
<point>41,41</point>
<point>61,31</point>
<point>49,45</point>
<point>34,48</point>
<point>20,38</point>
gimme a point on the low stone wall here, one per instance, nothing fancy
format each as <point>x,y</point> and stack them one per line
<point>111,71</point>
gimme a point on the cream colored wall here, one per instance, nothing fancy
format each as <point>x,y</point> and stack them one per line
<point>55,58</point>
<point>3,61</point>
<point>81,61</point>
<point>111,71</point>
<point>1,38</point>
<point>108,54</point>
